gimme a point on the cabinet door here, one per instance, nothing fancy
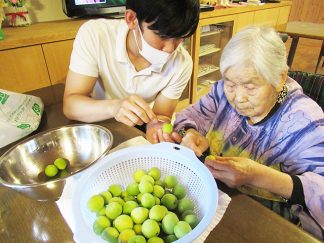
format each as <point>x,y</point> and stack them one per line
<point>57,57</point>
<point>266,16</point>
<point>23,69</point>
<point>283,15</point>
<point>211,37</point>
<point>185,97</point>
<point>243,20</point>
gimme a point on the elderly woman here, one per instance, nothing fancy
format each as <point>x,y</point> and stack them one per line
<point>265,135</point>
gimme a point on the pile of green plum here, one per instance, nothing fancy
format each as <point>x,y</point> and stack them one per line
<point>150,210</point>
<point>59,167</point>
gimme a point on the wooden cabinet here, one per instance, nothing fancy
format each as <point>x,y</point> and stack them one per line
<point>38,55</point>
<point>214,31</point>
<point>211,36</point>
<point>243,20</point>
<point>266,17</point>
<point>184,100</point>
<point>284,13</point>
<point>57,56</point>
<point>23,69</point>
<point>33,67</point>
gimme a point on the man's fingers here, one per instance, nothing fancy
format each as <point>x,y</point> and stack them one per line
<point>139,113</point>
<point>145,111</point>
<point>127,121</point>
<point>128,117</point>
<point>133,117</point>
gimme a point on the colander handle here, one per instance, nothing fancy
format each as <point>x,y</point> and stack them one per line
<point>176,148</point>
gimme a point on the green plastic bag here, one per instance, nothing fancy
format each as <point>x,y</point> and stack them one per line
<point>20,114</point>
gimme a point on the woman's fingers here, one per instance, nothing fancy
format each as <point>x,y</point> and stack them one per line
<point>222,175</point>
<point>195,141</point>
<point>193,147</point>
<point>164,137</point>
<point>176,137</point>
<point>218,164</point>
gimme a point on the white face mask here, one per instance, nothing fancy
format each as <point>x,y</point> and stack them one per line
<point>151,54</point>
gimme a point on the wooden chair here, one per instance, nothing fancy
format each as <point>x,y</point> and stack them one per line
<point>320,57</point>
<point>283,37</point>
<point>312,84</point>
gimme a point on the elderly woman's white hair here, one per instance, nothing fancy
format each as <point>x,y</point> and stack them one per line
<point>260,46</point>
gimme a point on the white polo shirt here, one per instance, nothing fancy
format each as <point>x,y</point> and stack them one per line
<point>99,50</point>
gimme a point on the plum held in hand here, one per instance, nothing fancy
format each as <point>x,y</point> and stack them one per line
<point>167,128</point>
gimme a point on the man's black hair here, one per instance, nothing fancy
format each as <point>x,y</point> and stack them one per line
<point>167,18</point>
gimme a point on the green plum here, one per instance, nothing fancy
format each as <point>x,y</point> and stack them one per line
<point>51,170</point>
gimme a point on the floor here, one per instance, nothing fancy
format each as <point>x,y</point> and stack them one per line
<point>306,55</point>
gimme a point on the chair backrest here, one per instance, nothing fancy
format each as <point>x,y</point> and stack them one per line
<point>312,84</point>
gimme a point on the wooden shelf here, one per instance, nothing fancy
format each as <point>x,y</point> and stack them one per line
<point>209,51</point>
<point>207,82</point>
<point>211,70</point>
<point>202,90</point>
<point>213,32</point>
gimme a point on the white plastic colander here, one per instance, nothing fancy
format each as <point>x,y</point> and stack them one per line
<point>118,168</point>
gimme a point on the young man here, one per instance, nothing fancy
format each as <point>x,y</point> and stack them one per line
<point>119,67</point>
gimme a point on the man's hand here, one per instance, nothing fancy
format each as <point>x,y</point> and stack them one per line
<point>195,141</point>
<point>233,171</point>
<point>134,111</point>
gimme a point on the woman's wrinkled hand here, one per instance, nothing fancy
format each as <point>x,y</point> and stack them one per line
<point>195,141</point>
<point>134,110</point>
<point>233,171</point>
<point>154,134</point>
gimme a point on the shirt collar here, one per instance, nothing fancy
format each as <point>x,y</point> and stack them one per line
<point>157,68</point>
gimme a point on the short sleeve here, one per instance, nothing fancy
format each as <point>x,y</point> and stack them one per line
<point>83,58</point>
<point>180,79</point>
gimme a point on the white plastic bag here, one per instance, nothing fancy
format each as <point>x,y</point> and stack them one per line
<point>20,114</point>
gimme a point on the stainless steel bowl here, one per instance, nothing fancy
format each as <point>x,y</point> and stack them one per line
<point>22,167</point>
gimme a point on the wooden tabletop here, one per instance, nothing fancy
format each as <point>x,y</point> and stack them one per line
<point>26,220</point>
<point>303,29</point>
